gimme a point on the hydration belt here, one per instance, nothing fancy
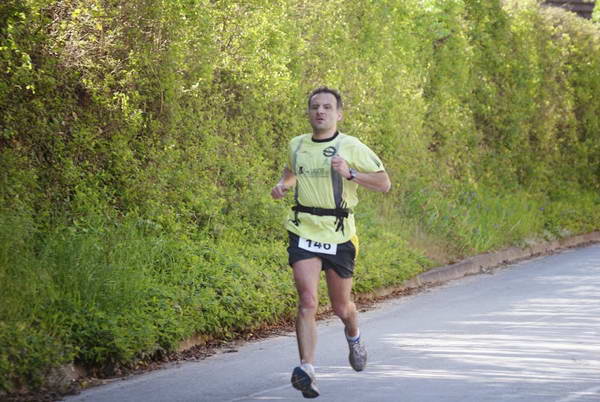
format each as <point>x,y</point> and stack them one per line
<point>339,213</point>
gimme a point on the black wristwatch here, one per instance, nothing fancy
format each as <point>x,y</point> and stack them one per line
<point>352,174</point>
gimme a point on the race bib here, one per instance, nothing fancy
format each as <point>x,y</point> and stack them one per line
<point>317,247</point>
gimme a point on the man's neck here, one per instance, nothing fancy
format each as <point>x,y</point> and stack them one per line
<point>323,135</point>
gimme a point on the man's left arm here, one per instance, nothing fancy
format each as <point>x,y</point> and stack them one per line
<point>376,181</point>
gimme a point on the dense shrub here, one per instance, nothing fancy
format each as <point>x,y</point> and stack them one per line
<point>139,141</point>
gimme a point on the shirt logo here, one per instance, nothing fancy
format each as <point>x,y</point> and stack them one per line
<point>329,151</point>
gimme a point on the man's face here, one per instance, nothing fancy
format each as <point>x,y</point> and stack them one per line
<point>323,112</point>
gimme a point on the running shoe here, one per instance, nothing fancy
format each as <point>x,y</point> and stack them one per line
<point>304,380</point>
<point>358,355</point>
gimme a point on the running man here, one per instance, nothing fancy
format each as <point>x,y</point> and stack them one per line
<point>325,169</point>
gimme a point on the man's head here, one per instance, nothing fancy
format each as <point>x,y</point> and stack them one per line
<point>324,110</point>
<point>326,90</point>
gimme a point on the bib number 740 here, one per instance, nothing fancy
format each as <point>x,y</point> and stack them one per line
<point>317,247</point>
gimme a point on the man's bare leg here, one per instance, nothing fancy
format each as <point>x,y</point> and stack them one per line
<point>306,277</point>
<point>340,295</point>
<point>340,290</point>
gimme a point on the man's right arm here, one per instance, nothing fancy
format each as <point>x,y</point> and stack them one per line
<point>287,181</point>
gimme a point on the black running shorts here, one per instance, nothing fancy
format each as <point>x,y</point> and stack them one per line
<point>342,262</point>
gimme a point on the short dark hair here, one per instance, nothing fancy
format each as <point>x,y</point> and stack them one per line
<point>327,90</point>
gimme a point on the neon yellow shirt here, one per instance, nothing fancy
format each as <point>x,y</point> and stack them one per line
<point>310,161</point>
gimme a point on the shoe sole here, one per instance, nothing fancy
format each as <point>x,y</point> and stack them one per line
<point>302,382</point>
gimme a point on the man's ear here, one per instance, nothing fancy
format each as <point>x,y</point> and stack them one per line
<point>340,115</point>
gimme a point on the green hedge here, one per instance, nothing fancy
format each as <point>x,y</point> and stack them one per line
<point>139,141</point>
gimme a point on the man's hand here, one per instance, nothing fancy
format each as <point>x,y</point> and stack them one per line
<point>288,180</point>
<point>340,166</point>
<point>278,192</point>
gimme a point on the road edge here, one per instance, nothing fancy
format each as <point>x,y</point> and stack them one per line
<point>482,263</point>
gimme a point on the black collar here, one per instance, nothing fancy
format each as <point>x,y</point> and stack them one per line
<point>327,139</point>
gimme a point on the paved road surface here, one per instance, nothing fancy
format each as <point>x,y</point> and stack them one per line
<point>529,332</point>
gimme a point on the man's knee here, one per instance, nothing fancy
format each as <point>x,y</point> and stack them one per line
<point>307,303</point>
<point>343,309</point>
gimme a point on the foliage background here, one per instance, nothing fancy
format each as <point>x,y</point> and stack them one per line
<point>139,141</point>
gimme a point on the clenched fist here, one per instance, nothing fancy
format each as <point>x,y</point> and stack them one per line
<point>340,166</point>
<point>279,191</point>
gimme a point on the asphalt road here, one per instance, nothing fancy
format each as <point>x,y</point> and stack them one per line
<point>528,332</point>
